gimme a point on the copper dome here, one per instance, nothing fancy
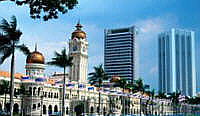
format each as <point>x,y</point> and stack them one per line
<point>115,78</point>
<point>78,33</point>
<point>35,57</point>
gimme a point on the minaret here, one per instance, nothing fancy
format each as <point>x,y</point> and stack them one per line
<point>35,64</point>
<point>78,49</point>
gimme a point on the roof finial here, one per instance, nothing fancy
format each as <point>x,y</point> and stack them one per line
<point>79,21</point>
<point>36,47</point>
<point>79,26</point>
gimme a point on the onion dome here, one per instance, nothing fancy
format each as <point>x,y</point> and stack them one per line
<point>35,57</point>
<point>115,78</point>
<point>78,33</point>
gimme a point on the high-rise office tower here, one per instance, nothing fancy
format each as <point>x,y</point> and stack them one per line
<point>120,52</point>
<point>176,68</point>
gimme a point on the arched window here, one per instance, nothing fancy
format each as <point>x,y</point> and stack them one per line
<point>67,112</point>
<point>49,95</point>
<point>16,108</point>
<point>38,105</point>
<point>54,95</point>
<point>34,106</point>
<point>55,108</point>
<point>44,109</point>
<point>98,109</point>
<point>39,91</point>
<point>34,89</point>
<point>50,109</point>
<point>45,95</point>
<point>104,111</point>
<point>91,109</point>
<point>0,107</point>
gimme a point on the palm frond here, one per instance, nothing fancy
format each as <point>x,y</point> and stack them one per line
<point>5,54</point>
<point>97,76</point>
<point>4,41</point>
<point>13,22</point>
<point>4,26</point>
<point>24,49</point>
<point>61,60</point>
<point>15,36</point>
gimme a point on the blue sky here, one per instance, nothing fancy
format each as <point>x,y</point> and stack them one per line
<point>150,16</point>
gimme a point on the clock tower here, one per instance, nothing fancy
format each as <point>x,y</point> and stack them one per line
<point>78,49</point>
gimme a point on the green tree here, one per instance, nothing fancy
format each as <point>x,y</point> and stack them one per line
<point>161,95</point>
<point>48,9</point>
<point>63,61</point>
<point>4,90</point>
<point>123,83</point>
<point>140,86</point>
<point>96,78</point>
<point>9,41</point>
<point>152,98</point>
<point>174,97</point>
<point>22,93</point>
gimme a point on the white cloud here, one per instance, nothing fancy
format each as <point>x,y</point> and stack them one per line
<point>153,70</point>
<point>150,28</point>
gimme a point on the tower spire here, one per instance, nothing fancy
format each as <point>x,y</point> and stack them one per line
<point>36,47</point>
<point>79,26</point>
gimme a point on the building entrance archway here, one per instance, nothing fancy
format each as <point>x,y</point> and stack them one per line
<point>16,108</point>
<point>79,109</point>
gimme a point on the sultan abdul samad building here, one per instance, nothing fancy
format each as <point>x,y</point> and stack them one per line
<point>43,95</point>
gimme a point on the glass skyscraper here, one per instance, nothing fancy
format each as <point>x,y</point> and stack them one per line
<point>176,68</point>
<point>120,53</point>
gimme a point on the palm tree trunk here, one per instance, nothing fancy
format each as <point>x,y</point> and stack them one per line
<point>152,104</point>
<point>99,98</point>
<point>5,102</point>
<point>12,79</point>
<point>22,106</point>
<point>123,103</point>
<point>63,103</point>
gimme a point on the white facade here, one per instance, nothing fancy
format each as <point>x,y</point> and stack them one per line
<point>78,49</point>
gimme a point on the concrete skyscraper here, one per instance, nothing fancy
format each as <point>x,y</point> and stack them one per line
<point>176,54</point>
<point>120,52</point>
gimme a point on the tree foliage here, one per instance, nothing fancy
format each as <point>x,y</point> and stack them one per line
<point>47,9</point>
<point>175,97</point>
<point>61,59</point>
<point>97,76</point>
<point>4,87</point>
<point>141,86</point>
<point>9,39</point>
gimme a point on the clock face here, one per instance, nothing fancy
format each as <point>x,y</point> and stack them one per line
<point>74,48</point>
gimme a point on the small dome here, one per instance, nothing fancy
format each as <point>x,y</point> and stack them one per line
<point>35,57</point>
<point>78,33</point>
<point>115,78</point>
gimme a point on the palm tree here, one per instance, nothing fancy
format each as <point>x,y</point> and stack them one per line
<point>175,99</point>
<point>152,98</point>
<point>161,95</point>
<point>22,93</point>
<point>63,61</point>
<point>9,41</point>
<point>4,90</point>
<point>123,83</point>
<point>141,86</point>
<point>96,78</point>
